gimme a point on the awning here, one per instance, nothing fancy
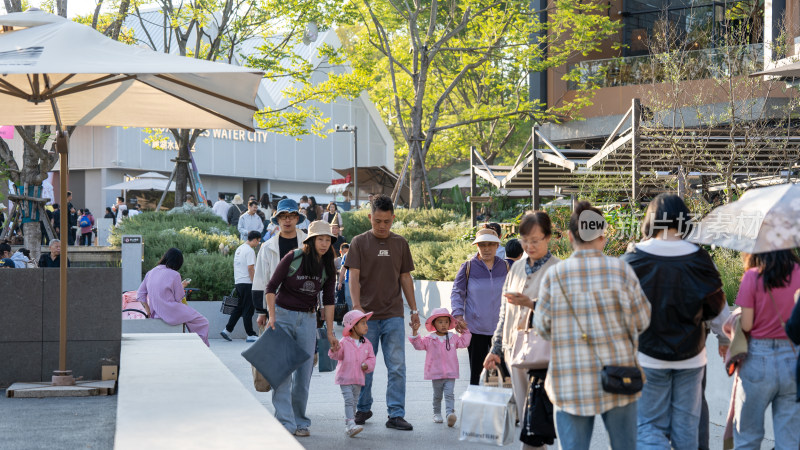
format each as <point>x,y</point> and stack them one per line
<point>339,188</point>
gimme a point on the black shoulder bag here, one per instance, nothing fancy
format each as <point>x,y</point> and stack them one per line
<point>623,380</point>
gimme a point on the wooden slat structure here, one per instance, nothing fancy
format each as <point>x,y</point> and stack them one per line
<point>640,160</point>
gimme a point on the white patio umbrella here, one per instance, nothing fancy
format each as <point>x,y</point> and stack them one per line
<point>148,181</point>
<point>763,220</point>
<point>57,72</point>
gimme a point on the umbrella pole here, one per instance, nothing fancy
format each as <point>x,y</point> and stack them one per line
<point>62,376</point>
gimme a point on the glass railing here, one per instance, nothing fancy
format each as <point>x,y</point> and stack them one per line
<point>672,66</point>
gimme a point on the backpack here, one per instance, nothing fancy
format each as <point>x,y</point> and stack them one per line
<point>84,222</point>
<point>297,259</point>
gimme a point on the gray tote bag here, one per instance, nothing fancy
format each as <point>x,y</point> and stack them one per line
<point>275,355</point>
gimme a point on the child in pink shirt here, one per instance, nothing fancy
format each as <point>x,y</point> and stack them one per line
<point>441,360</point>
<point>356,358</point>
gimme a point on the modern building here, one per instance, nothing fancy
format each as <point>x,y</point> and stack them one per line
<point>234,161</point>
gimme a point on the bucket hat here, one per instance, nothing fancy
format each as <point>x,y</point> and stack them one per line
<point>237,200</point>
<point>287,205</point>
<point>320,228</point>
<point>486,235</point>
<point>351,319</point>
<point>439,312</point>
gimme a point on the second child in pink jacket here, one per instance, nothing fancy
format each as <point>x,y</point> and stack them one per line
<point>355,358</point>
<point>441,360</point>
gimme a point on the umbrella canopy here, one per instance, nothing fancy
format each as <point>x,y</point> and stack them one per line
<point>101,82</point>
<point>150,181</point>
<point>763,220</point>
<point>57,72</point>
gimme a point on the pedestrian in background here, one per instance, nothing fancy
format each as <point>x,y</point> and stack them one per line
<point>110,215</point>
<point>244,263</point>
<point>592,309</point>
<point>684,289</point>
<point>86,223</point>
<point>250,221</point>
<point>314,211</point>
<point>476,298</point>
<point>236,210</point>
<point>332,215</point>
<point>221,207</point>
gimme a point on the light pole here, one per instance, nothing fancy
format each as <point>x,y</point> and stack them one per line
<point>354,129</point>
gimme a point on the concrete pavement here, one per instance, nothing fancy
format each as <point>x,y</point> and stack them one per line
<point>326,408</point>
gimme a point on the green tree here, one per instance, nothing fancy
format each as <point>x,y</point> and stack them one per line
<point>441,67</point>
<point>215,31</point>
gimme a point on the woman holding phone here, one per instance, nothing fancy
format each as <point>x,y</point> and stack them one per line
<point>520,292</point>
<point>162,292</point>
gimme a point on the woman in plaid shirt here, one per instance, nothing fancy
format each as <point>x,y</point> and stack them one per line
<point>610,306</point>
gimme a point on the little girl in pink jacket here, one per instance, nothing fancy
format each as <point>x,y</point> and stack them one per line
<point>441,360</point>
<point>356,358</point>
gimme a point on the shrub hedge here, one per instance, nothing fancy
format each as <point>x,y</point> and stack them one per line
<point>202,237</point>
<point>436,238</point>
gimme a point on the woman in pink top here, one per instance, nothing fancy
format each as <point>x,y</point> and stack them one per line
<point>441,360</point>
<point>766,377</point>
<point>356,358</point>
<point>162,291</point>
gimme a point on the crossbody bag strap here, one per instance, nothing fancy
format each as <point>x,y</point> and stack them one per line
<point>780,318</point>
<point>584,336</point>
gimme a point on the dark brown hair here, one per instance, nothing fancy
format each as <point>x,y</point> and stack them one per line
<point>312,265</point>
<point>575,222</point>
<point>534,218</point>
<point>775,268</point>
<point>664,212</point>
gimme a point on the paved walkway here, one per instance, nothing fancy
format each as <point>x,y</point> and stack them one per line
<point>326,408</point>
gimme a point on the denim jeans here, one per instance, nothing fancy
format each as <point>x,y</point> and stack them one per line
<point>390,336</point>
<point>291,397</point>
<point>347,298</point>
<point>669,409</point>
<point>575,432</point>
<point>767,376</point>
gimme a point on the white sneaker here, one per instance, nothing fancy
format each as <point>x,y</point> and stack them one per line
<point>437,418</point>
<point>225,335</point>
<point>251,339</point>
<point>352,429</point>
<point>451,419</point>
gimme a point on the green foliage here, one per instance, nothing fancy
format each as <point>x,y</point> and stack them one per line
<point>414,225</point>
<point>458,70</point>
<point>439,261</point>
<point>731,269</point>
<point>199,234</point>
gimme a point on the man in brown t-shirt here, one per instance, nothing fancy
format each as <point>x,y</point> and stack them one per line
<point>380,267</point>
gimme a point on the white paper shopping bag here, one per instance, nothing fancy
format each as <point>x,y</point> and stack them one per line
<point>488,415</point>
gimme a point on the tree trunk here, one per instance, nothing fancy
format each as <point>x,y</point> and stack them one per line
<point>417,176</point>
<point>32,233</point>
<point>182,167</point>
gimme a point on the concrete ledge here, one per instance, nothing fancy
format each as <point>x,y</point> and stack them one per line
<point>173,392</point>
<point>149,326</point>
